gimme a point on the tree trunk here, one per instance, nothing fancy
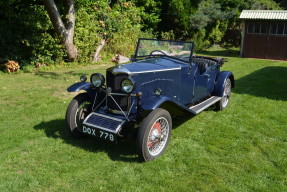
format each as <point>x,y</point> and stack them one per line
<point>96,57</point>
<point>70,26</point>
<point>65,32</point>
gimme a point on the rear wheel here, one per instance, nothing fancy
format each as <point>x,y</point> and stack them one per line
<point>79,108</point>
<point>224,101</point>
<point>154,135</point>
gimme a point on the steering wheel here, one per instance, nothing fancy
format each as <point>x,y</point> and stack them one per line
<point>151,53</point>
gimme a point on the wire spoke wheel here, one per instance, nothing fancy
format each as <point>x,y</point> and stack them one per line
<point>158,136</point>
<point>82,112</point>
<point>226,94</point>
<point>78,109</point>
<point>224,101</point>
<point>154,134</point>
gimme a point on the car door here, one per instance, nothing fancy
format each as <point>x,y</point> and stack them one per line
<point>211,72</point>
<point>200,89</point>
<point>186,84</point>
<point>204,79</point>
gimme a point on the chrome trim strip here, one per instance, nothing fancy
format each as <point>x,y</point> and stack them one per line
<point>215,98</point>
<point>117,111</point>
<point>201,102</point>
<point>122,94</point>
<point>155,70</point>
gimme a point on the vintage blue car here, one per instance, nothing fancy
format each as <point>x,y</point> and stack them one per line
<point>163,80</point>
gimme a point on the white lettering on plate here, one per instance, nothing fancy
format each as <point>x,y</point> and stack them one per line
<point>93,132</point>
<point>103,134</point>
<point>84,129</point>
<point>89,130</point>
<point>107,136</point>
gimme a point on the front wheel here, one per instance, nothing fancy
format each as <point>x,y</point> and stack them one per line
<point>223,102</point>
<point>79,108</point>
<point>154,134</point>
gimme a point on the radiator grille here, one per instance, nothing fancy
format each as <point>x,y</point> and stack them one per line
<point>114,81</point>
<point>104,122</point>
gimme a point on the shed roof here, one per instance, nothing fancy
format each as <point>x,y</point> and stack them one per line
<point>264,14</point>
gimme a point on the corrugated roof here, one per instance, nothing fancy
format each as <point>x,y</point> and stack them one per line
<point>264,14</point>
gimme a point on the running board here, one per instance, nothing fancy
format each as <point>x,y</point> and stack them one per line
<point>203,105</point>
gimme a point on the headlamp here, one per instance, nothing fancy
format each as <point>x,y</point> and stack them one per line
<point>97,80</point>
<point>83,78</point>
<point>128,85</point>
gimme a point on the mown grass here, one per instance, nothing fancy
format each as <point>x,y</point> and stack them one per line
<point>243,148</point>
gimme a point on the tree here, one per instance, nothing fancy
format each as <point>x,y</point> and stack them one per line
<point>65,31</point>
<point>208,11</point>
<point>175,18</point>
<point>113,27</point>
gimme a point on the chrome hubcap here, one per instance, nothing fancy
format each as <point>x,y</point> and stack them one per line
<point>157,137</point>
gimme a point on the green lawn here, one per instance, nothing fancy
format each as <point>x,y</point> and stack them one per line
<point>243,148</point>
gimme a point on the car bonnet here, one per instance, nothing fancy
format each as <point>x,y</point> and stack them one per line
<point>153,65</point>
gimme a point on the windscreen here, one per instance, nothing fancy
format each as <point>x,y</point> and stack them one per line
<point>177,49</point>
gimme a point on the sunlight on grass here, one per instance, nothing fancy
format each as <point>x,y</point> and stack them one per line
<point>240,149</point>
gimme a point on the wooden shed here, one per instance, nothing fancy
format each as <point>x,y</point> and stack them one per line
<point>264,34</point>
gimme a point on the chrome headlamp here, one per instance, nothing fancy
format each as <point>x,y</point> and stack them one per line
<point>83,78</point>
<point>97,80</point>
<point>128,85</point>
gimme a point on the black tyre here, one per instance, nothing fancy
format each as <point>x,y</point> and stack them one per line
<point>224,101</point>
<point>77,111</point>
<point>154,134</point>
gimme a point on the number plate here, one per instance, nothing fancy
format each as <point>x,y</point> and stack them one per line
<point>100,133</point>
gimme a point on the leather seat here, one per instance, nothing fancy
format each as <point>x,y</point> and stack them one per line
<point>203,63</point>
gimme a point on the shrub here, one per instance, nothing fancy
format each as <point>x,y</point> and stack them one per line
<point>86,35</point>
<point>201,42</point>
<point>169,35</point>
<point>12,66</point>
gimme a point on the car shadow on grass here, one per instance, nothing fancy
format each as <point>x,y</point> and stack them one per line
<point>268,82</point>
<point>124,150</point>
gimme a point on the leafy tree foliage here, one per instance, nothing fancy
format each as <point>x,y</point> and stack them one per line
<point>208,11</point>
<point>27,35</point>
<point>175,18</point>
<point>119,23</point>
<point>33,40</point>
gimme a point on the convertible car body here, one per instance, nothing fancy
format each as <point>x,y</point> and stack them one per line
<point>164,80</point>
